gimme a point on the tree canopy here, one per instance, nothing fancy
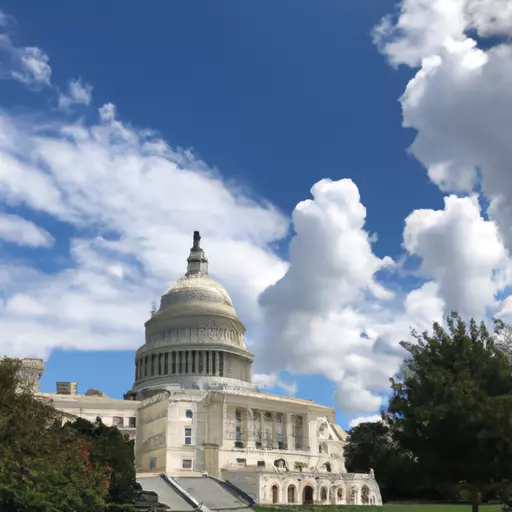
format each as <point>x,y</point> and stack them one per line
<point>371,446</point>
<point>115,451</point>
<point>452,408</point>
<point>49,465</point>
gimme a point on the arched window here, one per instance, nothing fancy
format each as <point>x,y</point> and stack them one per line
<point>292,492</point>
<point>365,495</point>
<point>275,494</point>
<point>327,467</point>
<point>339,495</point>
<point>323,494</point>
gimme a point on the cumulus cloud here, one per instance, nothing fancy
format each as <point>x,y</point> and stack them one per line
<point>139,200</point>
<point>459,101</point>
<point>317,315</point>
<point>78,93</point>
<point>20,231</point>
<point>461,251</point>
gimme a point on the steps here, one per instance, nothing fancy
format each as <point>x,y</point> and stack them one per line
<point>166,494</point>
<point>213,494</point>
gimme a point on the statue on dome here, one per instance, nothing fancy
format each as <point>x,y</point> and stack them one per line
<point>197,240</point>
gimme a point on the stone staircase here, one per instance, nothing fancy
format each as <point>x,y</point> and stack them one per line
<point>214,494</point>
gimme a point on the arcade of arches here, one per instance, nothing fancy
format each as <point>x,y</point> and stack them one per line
<point>322,494</point>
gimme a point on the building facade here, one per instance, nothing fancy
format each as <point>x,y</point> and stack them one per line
<point>193,408</point>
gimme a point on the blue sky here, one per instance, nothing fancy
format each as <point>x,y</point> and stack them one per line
<point>274,96</point>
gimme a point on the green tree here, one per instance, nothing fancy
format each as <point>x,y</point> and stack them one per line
<point>113,450</point>
<point>44,466</point>
<point>452,409</point>
<point>371,446</point>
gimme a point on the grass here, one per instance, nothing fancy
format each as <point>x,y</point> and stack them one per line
<point>385,508</point>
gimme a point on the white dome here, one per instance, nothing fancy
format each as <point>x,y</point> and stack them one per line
<point>195,288</point>
<point>195,340</point>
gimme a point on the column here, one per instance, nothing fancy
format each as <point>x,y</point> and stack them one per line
<point>274,431</point>
<point>190,369</point>
<point>217,362</point>
<point>214,363</point>
<point>290,442</point>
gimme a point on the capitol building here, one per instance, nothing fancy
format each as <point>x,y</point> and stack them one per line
<point>193,408</point>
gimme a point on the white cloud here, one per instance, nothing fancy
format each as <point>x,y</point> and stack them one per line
<point>140,201</point>
<point>78,94</point>
<point>364,419</point>
<point>27,64</point>
<point>20,231</point>
<point>272,380</point>
<point>459,100</point>
<point>317,314</point>
<point>461,251</point>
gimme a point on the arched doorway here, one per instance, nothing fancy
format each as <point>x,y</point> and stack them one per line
<point>291,493</point>
<point>307,495</point>
<point>275,494</point>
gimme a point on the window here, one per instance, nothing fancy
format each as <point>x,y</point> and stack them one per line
<point>132,422</point>
<point>188,436</point>
<point>261,463</point>
<point>152,463</point>
<point>241,462</point>
<point>117,421</point>
<point>166,363</point>
<point>186,463</point>
<point>173,363</point>
<point>160,360</point>
<point>189,413</point>
<point>279,417</point>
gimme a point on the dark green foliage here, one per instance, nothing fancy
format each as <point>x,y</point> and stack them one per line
<point>371,446</point>
<point>453,408</point>
<point>114,450</point>
<point>44,466</point>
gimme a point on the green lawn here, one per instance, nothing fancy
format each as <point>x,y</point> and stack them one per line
<point>384,508</point>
